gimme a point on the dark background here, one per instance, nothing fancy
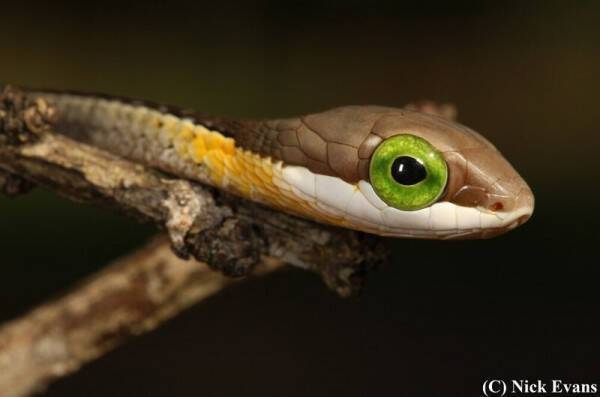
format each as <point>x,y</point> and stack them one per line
<point>442,316</point>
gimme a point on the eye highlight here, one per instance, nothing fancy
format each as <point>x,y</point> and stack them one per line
<point>407,172</point>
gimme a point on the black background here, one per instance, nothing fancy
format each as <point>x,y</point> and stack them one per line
<point>441,317</point>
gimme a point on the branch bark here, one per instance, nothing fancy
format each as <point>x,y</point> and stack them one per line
<point>130,297</point>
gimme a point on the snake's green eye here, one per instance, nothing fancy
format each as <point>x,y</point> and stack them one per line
<point>407,172</point>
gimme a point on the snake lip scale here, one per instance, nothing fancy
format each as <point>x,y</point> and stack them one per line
<point>387,171</point>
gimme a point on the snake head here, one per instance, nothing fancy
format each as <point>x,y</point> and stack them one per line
<point>403,173</point>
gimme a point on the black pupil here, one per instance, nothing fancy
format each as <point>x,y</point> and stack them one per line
<point>408,170</point>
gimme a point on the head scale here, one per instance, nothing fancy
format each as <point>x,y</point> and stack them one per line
<point>480,195</point>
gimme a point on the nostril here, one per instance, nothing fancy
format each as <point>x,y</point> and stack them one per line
<point>497,206</point>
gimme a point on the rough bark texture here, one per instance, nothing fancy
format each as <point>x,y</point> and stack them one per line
<point>130,297</point>
<point>137,293</point>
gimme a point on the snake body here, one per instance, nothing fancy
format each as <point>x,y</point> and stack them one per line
<point>316,166</point>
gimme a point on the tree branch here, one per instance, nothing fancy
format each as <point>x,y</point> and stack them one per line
<point>131,297</point>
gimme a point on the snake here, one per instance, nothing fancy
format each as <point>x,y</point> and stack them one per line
<point>394,172</point>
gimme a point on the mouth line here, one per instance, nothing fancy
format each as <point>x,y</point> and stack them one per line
<point>496,223</point>
<point>507,216</point>
<point>501,215</point>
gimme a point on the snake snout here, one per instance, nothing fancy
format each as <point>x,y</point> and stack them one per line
<point>502,205</point>
<point>512,202</point>
<point>514,193</point>
<point>512,197</point>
